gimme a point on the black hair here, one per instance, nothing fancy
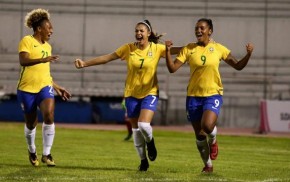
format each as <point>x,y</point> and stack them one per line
<point>208,21</point>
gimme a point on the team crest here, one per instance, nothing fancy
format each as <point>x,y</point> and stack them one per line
<point>211,49</point>
<point>150,54</point>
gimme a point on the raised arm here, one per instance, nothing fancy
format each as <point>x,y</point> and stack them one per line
<point>239,65</point>
<point>175,50</point>
<point>96,61</point>
<point>172,65</point>
<point>24,59</point>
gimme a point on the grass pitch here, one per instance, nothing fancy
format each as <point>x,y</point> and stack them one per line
<point>88,155</point>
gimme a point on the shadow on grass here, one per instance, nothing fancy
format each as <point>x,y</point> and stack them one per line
<point>42,166</point>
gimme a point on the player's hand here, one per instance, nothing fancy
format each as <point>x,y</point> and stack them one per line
<point>79,63</point>
<point>249,48</point>
<point>168,44</point>
<point>63,93</point>
<point>52,58</point>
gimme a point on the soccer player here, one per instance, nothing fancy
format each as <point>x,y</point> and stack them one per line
<point>141,88</point>
<point>127,122</point>
<point>205,89</point>
<point>35,86</point>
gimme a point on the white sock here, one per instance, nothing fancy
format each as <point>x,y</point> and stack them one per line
<point>203,149</point>
<point>30,138</point>
<point>48,132</point>
<point>139,143</point>
<point>146,131</point>
<point>212,136</point>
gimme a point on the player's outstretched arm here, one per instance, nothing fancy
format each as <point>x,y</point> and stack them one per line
<point>96,61</point>
<point>239,65</point>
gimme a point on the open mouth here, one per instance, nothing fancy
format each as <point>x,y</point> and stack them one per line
<point>139,38</point>
<point>199,35</point>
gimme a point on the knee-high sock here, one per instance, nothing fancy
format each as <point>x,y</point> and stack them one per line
<point>212,136</point>
<point>30,138</point>
<point>139,143</point>
<point>146,131</point>
<point>48,132</point>
<point>203,149</point>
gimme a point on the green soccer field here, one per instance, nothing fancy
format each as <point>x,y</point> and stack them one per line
<point>91,155</point>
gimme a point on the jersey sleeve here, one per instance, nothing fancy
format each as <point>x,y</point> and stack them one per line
<point>224,51</point>
<point>24,45</point>
<point>161,48</point>
<point>123,51</point>
<point>182,55</point>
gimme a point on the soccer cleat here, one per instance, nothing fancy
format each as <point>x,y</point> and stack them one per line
<point>144,165</point>
<point>213,151</point>
<point>152,152</point>
<point>207,169</point>
<point>128,137</point>
<point>33,158</point>
<point>48,160</point>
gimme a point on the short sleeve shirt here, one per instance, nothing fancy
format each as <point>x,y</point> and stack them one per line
<point>142,67</point>
<point>33,78</point>
<point>204,63</point>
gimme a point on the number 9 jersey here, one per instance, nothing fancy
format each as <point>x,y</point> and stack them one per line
<point>34,78</point>
<point>204,63</point>
<point>141,68</point>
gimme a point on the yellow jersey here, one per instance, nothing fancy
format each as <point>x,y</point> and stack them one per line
<point>141,68</point>
<point>34,78</point>
<point>204,63</point>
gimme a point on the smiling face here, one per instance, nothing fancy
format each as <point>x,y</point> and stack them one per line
<point>202,32</point>
<point>45,30</point>
<point>142,34</point>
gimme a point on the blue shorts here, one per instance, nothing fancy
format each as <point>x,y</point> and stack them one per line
<point>134,105</point>
<point>30,101</point>
<point>195,106</point>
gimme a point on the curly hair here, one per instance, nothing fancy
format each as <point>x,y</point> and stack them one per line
<point>34,18</point>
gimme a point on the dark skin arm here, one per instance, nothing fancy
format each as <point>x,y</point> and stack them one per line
<point>24,59</point>
<point>172,66</point>
<point>65,95</point>
<point>239,65</point>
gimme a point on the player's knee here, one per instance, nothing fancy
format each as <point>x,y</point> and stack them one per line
<point>48,118</point>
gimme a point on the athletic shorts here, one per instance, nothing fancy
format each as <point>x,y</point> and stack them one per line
<point>195,106</point>
<point>134,105</point>
<point>30,101</point>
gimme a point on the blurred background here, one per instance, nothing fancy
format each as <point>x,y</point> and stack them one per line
<point>89,28</point>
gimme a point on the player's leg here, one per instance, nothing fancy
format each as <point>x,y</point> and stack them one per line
<point>194,116</point>
<point>147,132</point>
<point>139,143</point>
<point>129,127</point>
<point>210,115</point>
<point>148,107</point>
<point>203,147</point>
<point>133,111</point>
<point>46,106</point>
<point>27,101</point>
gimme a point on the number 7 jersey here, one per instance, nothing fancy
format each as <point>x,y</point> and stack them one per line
<point>34,78</point>
<point>141,68</point>
<point>205,79</point>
